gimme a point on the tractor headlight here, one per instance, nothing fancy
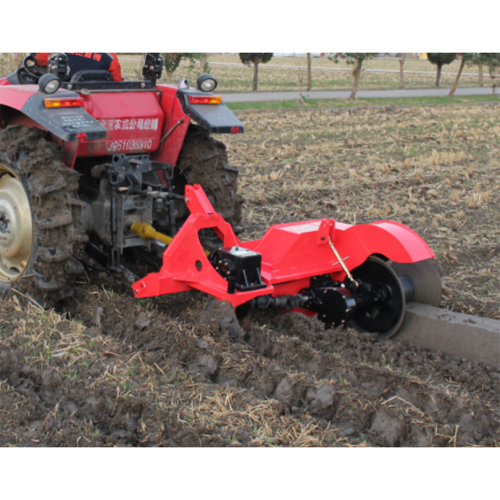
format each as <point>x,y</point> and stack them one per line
<point>49,84</point>
<point>206,83</point>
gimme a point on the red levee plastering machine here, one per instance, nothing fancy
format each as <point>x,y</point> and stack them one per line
<point>100,173</point>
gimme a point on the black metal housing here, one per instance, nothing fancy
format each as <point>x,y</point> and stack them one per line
<point>334,304</point>
<point>240,266</point>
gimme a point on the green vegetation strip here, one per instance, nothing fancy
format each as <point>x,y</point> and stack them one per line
<point>342,103</point>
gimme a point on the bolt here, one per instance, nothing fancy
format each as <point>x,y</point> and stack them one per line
<point>136,291</point>
<point>322,238</point>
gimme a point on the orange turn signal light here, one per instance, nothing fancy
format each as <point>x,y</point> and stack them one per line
<point>202,99</point>
<point>71,102</point>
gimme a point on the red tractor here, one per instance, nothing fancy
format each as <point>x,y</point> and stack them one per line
<point>92,170</point>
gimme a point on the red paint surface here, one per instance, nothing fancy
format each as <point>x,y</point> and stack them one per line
<point>291,253</point>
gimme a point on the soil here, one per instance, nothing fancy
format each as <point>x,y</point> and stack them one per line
<point>165,373</point>
<point>109,370</point>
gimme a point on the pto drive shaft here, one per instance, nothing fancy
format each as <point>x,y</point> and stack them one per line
<point>147,232</point>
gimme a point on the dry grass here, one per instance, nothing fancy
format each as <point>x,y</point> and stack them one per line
<point>432,168</point>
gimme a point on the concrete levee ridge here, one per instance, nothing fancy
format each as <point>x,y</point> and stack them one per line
<point>461,335</point>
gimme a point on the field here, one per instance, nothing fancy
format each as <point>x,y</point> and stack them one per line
<point>238,77</point>
<point>109,370</point>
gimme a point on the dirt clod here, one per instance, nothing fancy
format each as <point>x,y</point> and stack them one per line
<point>389,429</point>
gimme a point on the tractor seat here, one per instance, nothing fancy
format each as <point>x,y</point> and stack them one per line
<point>92,75</point>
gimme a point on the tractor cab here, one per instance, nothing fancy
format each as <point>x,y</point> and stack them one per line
<point>90,79</point>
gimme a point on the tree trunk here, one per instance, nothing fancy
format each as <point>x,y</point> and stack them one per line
<point>203,64</point>
<point>457,78</point>
<point>493,84</point>
<point>357,73</point>
<point>401,73</point>
<point>309,79</point>
<point>480,74</point>
<point>169,76</point>
<point>255,82</point>
<point>438,76</point>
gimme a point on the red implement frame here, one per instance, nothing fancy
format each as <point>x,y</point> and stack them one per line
<point>291,253</point>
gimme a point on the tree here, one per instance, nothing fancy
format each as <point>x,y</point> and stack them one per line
<point>440,60</point>
<point>464,58</point>
<point>309,79</point>
<point>356,59</point>
<point>401,74</point>
<point>492,61</point>
<point>488,60</point>
<point>255,59</point>
<point>203,64</point>
<point>173,59</point>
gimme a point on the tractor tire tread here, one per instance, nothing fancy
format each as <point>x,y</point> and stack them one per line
<point>203,160</point>
<point>51,187</point>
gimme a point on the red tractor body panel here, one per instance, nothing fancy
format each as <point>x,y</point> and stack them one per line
<point>133,123</point>
<point>15,96</point>
<point>174,117</point>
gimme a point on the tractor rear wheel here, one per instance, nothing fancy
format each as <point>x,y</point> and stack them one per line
<point>37,237</point>
<point>203,160</point>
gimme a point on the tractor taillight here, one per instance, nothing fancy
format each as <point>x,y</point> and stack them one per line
<point>71,102</point>
<point>201,99</point>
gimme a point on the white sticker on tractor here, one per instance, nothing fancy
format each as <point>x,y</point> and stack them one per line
<point>132,145</point>
<point>132,124</point>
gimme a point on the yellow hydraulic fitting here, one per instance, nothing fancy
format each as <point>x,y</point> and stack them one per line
<point>147,232</point>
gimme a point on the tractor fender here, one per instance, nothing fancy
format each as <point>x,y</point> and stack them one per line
<point>178,111</point>
<point>63,123</point>
<point>215,118</point>
<point>388,239</point>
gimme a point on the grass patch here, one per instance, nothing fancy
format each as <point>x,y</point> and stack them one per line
<point>346,103</point>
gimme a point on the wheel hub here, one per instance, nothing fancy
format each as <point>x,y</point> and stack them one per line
<point>4,223</point>
<point>16,226</point>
